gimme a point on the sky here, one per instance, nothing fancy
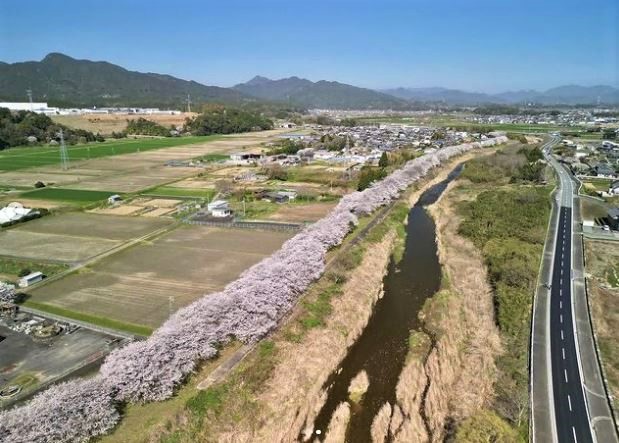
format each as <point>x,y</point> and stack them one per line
<point>475,45</point>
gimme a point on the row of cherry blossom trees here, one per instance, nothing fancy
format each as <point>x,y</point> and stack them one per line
<point>247,309</point>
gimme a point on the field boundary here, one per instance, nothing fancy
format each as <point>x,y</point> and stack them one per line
<point>88,321</point>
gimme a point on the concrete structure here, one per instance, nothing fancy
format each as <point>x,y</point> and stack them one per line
<point>30,279</point>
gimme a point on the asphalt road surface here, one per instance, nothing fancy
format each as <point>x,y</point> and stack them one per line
<point>568,399</point>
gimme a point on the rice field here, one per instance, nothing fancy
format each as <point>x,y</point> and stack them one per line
<point>143,284</point>
<point>77,196</point>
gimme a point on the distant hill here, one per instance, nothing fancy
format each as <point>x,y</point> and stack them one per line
<point>562,95</point>
<point>321,94</point>
<point>441,95</point>
<point>65,81</point>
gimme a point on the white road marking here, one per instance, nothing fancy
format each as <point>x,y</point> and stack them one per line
<point>563,352</point>
<point>560,291</point>
<point>561,318</point>
<point>565,374</point>
<point>562,334</point>
<point>574,434</point>
<point>561,269</point>
<point>560,281</point>
<point>560,304</point>
<point>569,402</point>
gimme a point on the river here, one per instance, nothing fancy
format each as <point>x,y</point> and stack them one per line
<point>383,345</point>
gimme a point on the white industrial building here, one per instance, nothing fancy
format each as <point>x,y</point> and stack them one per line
<point>39,107</point>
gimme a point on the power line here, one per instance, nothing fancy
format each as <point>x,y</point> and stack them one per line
<point>64,155</point>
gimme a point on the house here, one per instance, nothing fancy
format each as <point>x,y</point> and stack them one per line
<point>31,279</point>
<point>279,196</point>
<point>245,157</point>
<point>219,208</point>
<point>604,170</point>
<point>613,218</point>
<point>113,199</point>
<point>613,189</point>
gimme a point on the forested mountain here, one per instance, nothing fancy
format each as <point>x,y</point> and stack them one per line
<point>321,94</point>
<point>64,81</point>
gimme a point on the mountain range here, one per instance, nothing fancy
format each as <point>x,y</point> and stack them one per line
<point>562,95</point>
<point>64,81</point>
<point>321,94</point>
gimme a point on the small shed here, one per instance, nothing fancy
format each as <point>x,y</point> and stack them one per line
<point>30,279</point>
<point>113,199</point>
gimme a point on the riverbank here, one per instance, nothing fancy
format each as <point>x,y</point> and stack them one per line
<point>283,386</point>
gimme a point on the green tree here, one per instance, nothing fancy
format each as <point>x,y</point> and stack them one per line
<point>384,160</point>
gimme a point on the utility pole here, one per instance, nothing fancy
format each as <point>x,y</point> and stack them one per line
<point>64,155</point>
<point>29,93</point>
<point>188,103</point>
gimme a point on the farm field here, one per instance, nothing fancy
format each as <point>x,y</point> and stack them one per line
<point>26,157</point>
<point>108,123</point>
<point>73,237</point>
<point>77,196</point>
<point>143,284</point>
<point>302,212</point>
<point>127,172</point>
<point>181,192</point>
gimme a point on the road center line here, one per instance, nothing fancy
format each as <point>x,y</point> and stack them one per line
<point>561,318</point>
<point>565,374</point>
<point>563,353</point>
<point>569,402</point>
<point>574,434</point>
<point>560,304</point>
<point>562,335</point>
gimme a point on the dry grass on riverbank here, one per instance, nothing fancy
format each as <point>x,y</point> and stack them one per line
<point>602,263</point>
<point>459,369</point>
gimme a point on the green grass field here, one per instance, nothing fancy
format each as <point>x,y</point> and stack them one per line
<point>78,196</point>
<point>26,157</point>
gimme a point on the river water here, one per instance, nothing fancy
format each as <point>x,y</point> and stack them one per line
<point>383,345</point>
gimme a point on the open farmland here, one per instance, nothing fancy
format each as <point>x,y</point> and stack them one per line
<point>78,196</point>
<point>142,284</point>
<point>131,169</point>
<point>302,212</point>
<point>108,123</point>
<point>73,237</point>
<point>27,157</point>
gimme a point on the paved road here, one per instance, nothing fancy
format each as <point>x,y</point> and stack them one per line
<point>569,403</point>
